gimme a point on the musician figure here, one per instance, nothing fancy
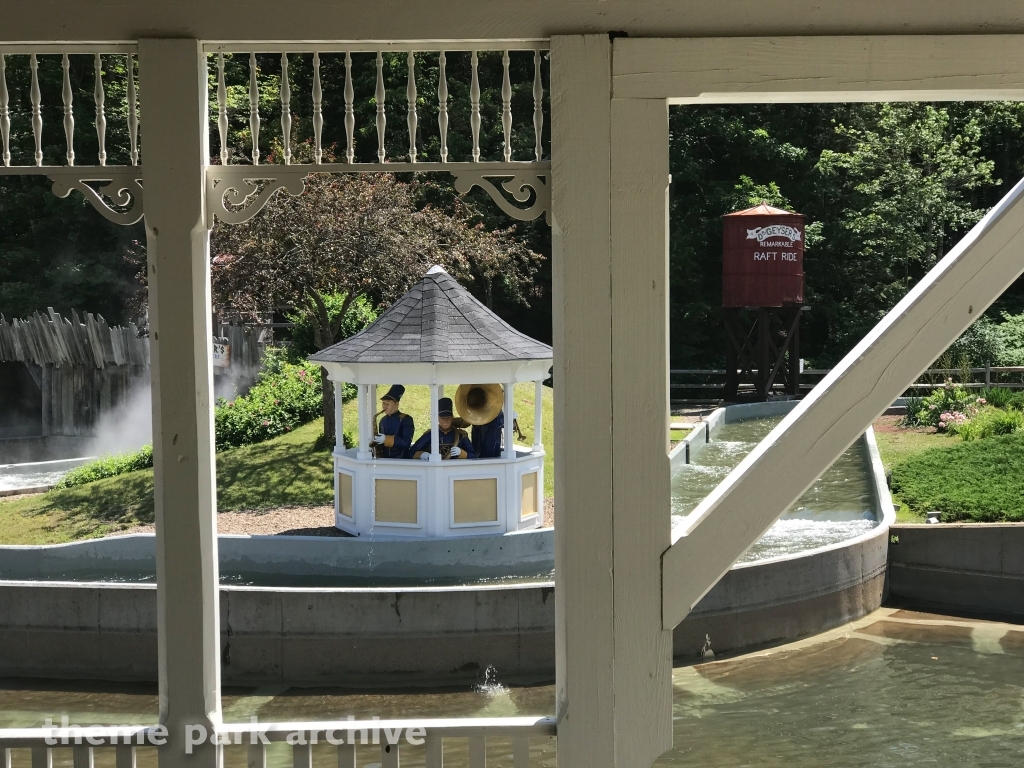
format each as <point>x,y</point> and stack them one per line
<point>453,443</point>
<point>394,435</point>
<point>486,438</point>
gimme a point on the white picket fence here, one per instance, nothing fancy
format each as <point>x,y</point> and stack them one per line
<point>455,741</point>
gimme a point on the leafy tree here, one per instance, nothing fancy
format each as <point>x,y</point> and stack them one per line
<point>365,237</point>
<point>886,189</point>
<point>903,188</point>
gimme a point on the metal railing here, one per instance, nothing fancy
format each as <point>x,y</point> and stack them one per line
<point>437,742</point>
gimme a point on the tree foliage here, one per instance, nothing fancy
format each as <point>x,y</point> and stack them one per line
<point>360,236</point>
<point>886,188</point>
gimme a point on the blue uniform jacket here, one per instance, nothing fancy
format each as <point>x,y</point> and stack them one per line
<point>452,437</point>
<point>487,437</point>
<point>397,430</point>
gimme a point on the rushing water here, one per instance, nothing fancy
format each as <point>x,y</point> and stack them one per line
<point>12,481</point>
<point>839,506</point>
<point>891,693</point>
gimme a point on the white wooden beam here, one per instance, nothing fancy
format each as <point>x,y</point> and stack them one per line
<point>820,69</point>
<point>173,75</point>
<point>892,355</point>
<point>641,478</point>
<point>316,20</point>
<point>581,292</point>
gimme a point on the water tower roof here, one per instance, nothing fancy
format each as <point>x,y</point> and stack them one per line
<point>437,321</point>
<point>763,210</point>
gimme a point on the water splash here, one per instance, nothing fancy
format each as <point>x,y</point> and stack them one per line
<point>490,685</point>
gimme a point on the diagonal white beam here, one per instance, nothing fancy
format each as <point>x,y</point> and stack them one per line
<point>890,358</point>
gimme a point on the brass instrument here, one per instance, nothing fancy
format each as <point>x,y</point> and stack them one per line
<point>479,404</point>
<point>373,445</point>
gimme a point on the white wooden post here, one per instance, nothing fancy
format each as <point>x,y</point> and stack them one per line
<point>339,427</point>
<point>172,73</point>
<point>372,406</point>
<point>581,325</point>
<point>435,430</point>
<point>538,418</point>
<point>641,479</point>
<point>362,391</point>
<point>510,434</point>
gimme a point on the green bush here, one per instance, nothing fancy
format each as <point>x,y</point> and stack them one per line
<point>1017,401</point>
<point>284,396</point>
<point>951,404</point>
<point>979,481</point>
<point>998,397</point>
<point>108,466</point>
<point>990,422</point>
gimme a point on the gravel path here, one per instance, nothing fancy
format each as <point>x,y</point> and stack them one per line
<point>286,521</point>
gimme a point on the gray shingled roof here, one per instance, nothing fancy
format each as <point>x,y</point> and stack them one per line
<point>437,321</point>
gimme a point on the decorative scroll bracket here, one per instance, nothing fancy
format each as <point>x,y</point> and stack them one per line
<point>234,194</point>
<point>246,189</point>
<point>117,199</point>
<point>523,187</point>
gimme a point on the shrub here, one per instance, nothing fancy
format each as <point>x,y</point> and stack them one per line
<point>1017,401</point>
<point>981,481</point>
<point>951,404</point>
<point>990,422</point>
<point>108,466</point>
<point>998,397</point>
<point>912,418</point>
<point>284,396</point>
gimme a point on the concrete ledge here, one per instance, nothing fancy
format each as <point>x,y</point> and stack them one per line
<point>526,553</point>
<point>958,567</point>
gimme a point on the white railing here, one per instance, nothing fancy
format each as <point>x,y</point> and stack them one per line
<point>359,74</point>
<point>37,81</point>
<point>461,741</point>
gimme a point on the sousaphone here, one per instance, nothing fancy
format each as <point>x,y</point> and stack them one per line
<point>479,404</point>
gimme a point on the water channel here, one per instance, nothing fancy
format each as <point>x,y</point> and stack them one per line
<point>839,506</point>
<point>893,689</point>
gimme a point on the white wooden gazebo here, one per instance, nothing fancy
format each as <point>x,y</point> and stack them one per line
<point>437,334</point>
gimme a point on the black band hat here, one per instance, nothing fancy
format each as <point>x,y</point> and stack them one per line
<point>444,407</point>
<point>395,393</point>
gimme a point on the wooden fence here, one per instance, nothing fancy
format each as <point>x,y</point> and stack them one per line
<point>82,369</point>
<point>52,340</point>
<point>705,384</point>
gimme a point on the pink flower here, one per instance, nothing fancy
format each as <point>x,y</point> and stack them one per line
<point>266,423</point>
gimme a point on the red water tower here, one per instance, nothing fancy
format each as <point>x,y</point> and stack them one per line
<point>762,296</point>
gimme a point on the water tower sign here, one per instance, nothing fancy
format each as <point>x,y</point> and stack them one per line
<point>762,296</point>
<point>763,258</point>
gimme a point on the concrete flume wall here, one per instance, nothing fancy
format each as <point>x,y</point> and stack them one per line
<point>958,567</point>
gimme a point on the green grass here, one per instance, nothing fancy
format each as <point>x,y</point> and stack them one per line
<point>283,471</point>
<point>894,447</point>
<point>978,481</point>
